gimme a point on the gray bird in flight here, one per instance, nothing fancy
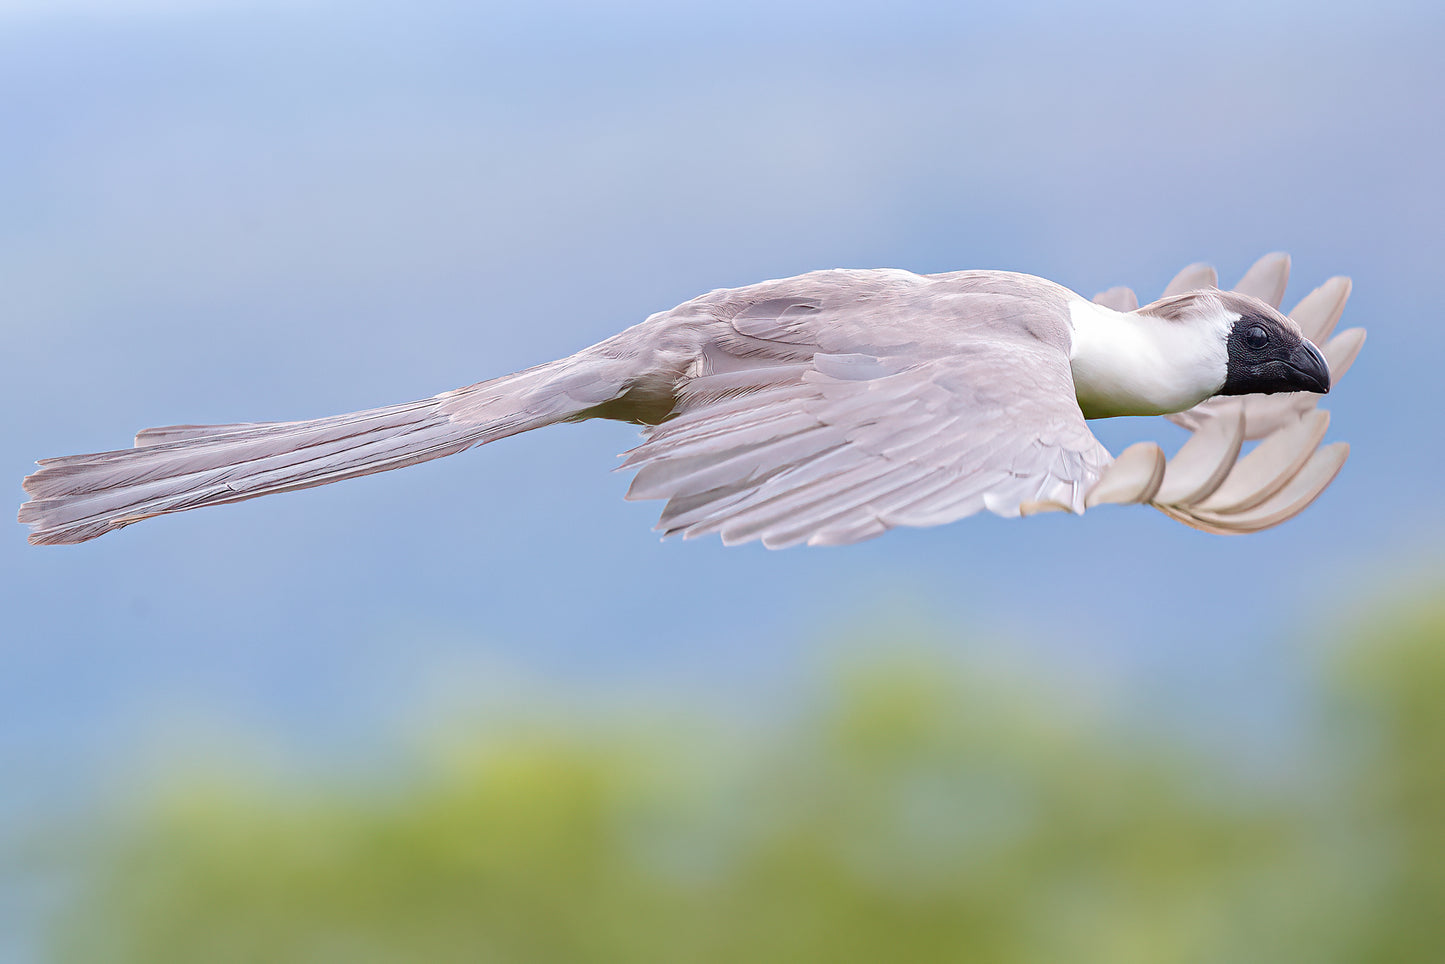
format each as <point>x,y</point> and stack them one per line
<point>823,409</point>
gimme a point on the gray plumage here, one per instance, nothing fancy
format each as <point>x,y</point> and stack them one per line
<point>832,407</point>
<point>825,408</point>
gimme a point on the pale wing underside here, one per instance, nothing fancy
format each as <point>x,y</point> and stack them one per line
<point>776,442</point>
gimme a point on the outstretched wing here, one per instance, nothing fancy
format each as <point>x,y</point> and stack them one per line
<point>801,424</point>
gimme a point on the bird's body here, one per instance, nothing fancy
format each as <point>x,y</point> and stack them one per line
<point>824,408</point>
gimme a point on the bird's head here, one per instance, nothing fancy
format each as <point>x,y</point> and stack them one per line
<point>1264,351</point>
<point>1175,353</point>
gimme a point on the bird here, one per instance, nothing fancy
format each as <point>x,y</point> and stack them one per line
<point>828,408</point>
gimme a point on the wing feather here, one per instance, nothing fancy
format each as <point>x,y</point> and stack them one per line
<point>792,432</point>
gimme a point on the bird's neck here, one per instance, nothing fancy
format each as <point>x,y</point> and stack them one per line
<point>1125,363</point>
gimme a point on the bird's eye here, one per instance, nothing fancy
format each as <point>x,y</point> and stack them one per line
<point>1256,337</point>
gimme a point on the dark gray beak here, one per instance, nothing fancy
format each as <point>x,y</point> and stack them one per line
<point>1312,368</point>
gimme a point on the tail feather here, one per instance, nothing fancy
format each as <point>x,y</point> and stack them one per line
<point>231,446</point>
<point>179,467</point>
<point>180,433</point>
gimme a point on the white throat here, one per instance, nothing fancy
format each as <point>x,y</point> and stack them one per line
<point>1130,364</point>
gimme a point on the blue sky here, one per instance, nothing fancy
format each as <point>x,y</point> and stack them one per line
<point>228,211</point>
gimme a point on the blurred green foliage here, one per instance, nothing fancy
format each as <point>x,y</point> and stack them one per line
<point>921,811</point>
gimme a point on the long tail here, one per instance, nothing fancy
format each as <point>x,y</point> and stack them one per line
<point>181,467</point>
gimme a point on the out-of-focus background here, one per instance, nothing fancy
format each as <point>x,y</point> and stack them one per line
<point>475,711</point>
